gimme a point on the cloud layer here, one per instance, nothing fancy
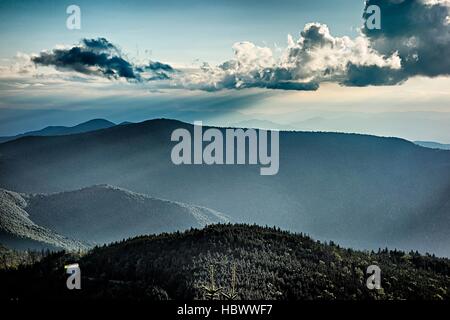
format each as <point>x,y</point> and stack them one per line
<point>101,58</point>
<point>418,30</point>
<point>316,56</point>
<point>414,39</point>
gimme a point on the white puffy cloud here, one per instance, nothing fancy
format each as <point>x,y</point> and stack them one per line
<point>436,2</point>
<point>319,56</point>
<point>316,56</point>
<point>414,40</point>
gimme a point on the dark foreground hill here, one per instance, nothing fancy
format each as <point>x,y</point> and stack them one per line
<point>93,215</point>
<point>360,191</point>
<point>268,264</point>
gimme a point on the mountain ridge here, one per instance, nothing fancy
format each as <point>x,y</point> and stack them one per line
<point>19,231</point>
<point>95,215</point>
<point>433,145</point>
<point>358,190</point>
<point>90,125</point>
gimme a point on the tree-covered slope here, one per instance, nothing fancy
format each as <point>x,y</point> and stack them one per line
<point>103,213</point>
<point>93,215</point>
<point>17,230</point>
<point>268,263</point>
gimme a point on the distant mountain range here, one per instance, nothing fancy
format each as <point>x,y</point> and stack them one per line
<point>433,145</point>
<point>91,125</point>
<point>262,124</point>
<point>358,190</point>
<point>93,215</point>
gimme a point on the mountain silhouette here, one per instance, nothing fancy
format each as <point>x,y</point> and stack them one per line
<point>93,215</point>
<point>433,145</point>
<point>358,190</point>
<point>91,125</point>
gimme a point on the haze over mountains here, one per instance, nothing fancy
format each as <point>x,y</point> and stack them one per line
<point>91,125</point>
<point>433,145</point>
<point>97,124</point>
<point>358,190</point>
<point>93,215</point>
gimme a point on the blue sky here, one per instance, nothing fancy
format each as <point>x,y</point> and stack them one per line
<point>134,60</point>
<point>199,29</point>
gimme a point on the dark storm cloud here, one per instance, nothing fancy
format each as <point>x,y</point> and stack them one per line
<point>289,85</point>
<point>99,44</point>
<point>92,57</point>
<point>418,30</point>
<point>276,78</point>
<point>102,58</point>
<point>414,40</point>
<point>157,70</point>
<point>362,76</point>
<point>158,66</point>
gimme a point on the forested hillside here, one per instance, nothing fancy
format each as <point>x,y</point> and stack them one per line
<point>18,231</point>
<point>267,263</point>
<point>78,219</point>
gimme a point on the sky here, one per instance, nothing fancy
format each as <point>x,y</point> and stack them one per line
<point>178,32</point>
<point>301,65</point>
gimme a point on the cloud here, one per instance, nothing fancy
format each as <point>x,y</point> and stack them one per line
<point>91,57</point>
<point>362,76</point>
<point>156,70</point>
<point>158,66</point>
<point>414,40</point>
<point>418,31</point>
<point>99,57</point>
<point>316,56</point>
<point>21,64</point>
<point>319,56</point>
